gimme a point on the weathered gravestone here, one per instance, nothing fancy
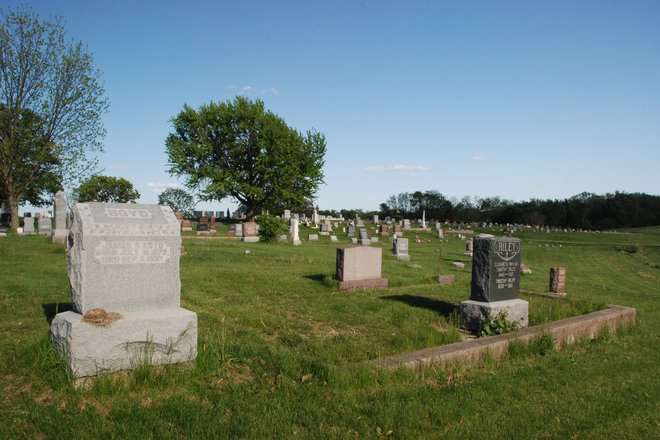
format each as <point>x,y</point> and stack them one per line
<point>558,280</point>
<point>400,249</point>
<point>397,231</point>
<point>250,232</point>
<point>364,238</point>
<point>495,284</point>
<point>313,237</point>
<point>294,232</point>
<point>203,225</point>
<point>123,264</point>
<point>384,230</point>
<point>359,268</point>
<point>186,226</point>
<point>469,248</point>
<point>60,233</point>
<point>236,229</point>
<point>45,225</point>
<point>28,225</point>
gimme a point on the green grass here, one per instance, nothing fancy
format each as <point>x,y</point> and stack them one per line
<point>281,349</point>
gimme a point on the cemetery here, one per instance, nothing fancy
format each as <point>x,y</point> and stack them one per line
<point>256,327</point>
<point>252,300</point>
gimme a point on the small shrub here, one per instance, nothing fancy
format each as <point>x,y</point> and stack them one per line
<point>270,228</point>
<point>499,325</point>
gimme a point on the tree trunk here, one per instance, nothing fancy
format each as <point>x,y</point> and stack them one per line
<point>13,210</point>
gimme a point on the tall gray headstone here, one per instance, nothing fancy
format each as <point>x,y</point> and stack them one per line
<point>495,269</point>
<point>60,233</point>
<point>123,265</point>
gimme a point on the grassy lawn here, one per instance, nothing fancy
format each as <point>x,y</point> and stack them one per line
<point>281,349</point>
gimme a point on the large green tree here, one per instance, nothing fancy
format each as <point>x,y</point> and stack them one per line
<point>106,189</point>
<point>238,149</point>
<point>52,102</point>
<point>178,199</point>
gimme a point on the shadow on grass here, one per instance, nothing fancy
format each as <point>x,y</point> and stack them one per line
<point>52,309</point>
<point>323,279</point>
<point>443,308</point>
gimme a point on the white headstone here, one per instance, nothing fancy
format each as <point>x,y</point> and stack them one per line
<point>28,226</point>
<point>294,231</point>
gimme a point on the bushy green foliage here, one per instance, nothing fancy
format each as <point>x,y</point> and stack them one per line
<point>271,227</point>
<point>500,324</point>
<point>106,189</point>
<point>179,200</point>
<point>239,149</point>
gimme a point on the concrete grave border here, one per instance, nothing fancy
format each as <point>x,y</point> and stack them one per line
<point>563,332</point>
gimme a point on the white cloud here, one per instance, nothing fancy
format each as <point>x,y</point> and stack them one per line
<point>274,90</point>
<point>398,168</point>
<point>246,88</point>
<point>160,187</point>
<point>373,169</point>
<point>478,158</point>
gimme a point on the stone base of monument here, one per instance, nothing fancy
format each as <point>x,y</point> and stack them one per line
<point>474,314</point>
<point>403,257</point>
<point>374,239</point>
<point>250,239</point>
<point>297,242</point>
<point>364,241</point>
<point>154,337</point>
<point>60,236</point>
<point>377,283</point>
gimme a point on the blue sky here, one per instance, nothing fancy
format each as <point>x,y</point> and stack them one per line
<point>542,99</point>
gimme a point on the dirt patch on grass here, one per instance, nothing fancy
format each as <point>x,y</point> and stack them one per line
<point>100,317</point>
<point>645,274</point>
<point>13,387</point>
<point>235,374</point>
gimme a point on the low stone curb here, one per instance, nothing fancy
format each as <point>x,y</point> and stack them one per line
<point>563,332</point>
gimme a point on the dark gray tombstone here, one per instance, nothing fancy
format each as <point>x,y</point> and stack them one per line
<point>495,269</point>
<point>495,284</point>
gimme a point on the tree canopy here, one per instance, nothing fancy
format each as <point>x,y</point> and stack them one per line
<point>179,200</point>
<point>238,149</point>
<point>52,102</point>
<point>106,189</point>
<point>583,211</point>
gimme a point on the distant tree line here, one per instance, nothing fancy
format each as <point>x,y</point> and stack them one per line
<point>583,211</point>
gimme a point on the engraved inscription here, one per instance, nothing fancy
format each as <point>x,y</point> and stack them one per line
<point>132,252</point>
<point>507,250</point>
<point>505,274</point>
<point>128,213</point>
